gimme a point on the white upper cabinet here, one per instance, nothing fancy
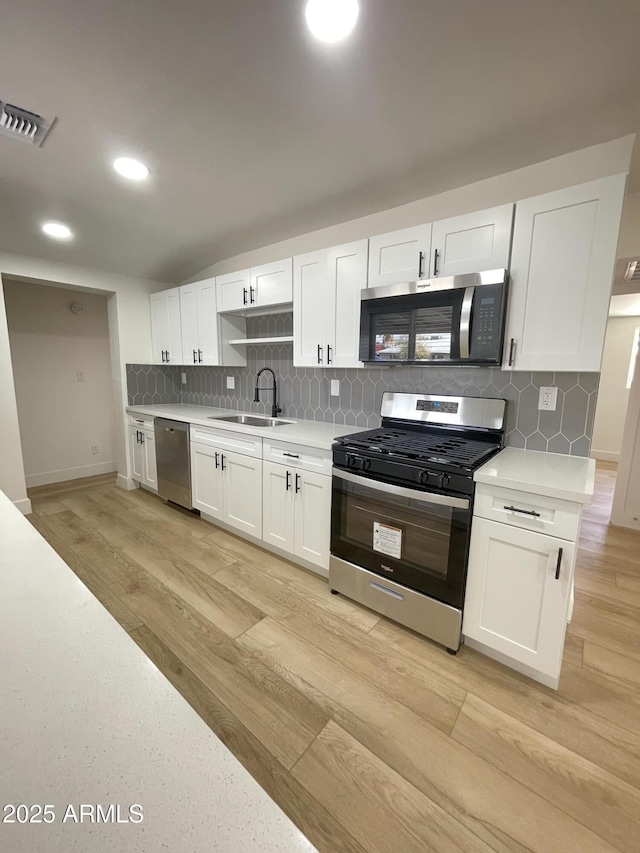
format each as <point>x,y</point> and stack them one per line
<point>471,243</point>
<point>399,256</point>
<point>199,319</point>
<point>271,284</point>
<point>347,278</point>
<point>233,290</point>
<point>166,332</point>
<point>562,266</point>
<point>310,309</point>
<point>326,306</point>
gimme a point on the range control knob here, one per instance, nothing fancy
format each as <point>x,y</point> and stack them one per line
<point>424,477</point>
<point>445,479</point>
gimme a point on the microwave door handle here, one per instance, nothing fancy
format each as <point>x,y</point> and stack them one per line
<point>465,321</point>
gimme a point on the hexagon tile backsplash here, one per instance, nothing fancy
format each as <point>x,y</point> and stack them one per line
<point>304,392</point>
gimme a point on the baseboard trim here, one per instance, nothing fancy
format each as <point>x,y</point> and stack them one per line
<point>126,483</point>
<point>547,680</point>
<point>605,455</point>
<point>24,506</point>
<point>64,474</point>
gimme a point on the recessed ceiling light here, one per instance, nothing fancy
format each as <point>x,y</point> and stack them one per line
<point>331,20</point>
<point>134,170</point>
<point>57,230</point>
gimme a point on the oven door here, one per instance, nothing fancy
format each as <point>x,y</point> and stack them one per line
<point>418,539</point>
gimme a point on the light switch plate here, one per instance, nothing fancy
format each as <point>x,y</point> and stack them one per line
<point>335,387</point>
<point>548,398</point>
<point>231,383</point>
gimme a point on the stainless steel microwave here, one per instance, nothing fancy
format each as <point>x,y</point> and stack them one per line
<point>456,320</point>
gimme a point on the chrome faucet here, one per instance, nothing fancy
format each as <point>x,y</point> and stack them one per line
<point>275,408</point>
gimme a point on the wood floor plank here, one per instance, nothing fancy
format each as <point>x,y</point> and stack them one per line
<point>589,715</point>
<point>377,805</point>
<point>277,590</point>
<point>592,796</point>
<point>573,650</point>
<point>612,664</point>
<point>216,602</point>
<point>607,623</point>
<point>284,719</point>
<point>315,821</point>
<point>424,689</point>
<point>501,811</point>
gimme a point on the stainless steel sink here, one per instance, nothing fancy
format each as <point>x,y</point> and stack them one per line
<point>250,420</point>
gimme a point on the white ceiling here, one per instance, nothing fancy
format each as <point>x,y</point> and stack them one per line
<point>255,132</point>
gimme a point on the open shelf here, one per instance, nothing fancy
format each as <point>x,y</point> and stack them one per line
<point>286,339</point>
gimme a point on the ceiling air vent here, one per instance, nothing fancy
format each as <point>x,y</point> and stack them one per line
<point>633,271</point>
<point>23,125</point>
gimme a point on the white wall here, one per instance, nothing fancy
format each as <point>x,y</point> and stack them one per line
<point>613,395</point>
<point>626,500</point>
<point>12,481</point>
<point>130,338</point>
<point>598,161</point>
<point>61,417</point>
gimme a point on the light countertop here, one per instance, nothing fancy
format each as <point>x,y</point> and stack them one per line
<point>555,475</point>
<point>309,433</point>
<point>85,717</point>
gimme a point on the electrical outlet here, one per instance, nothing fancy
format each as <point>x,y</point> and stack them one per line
<point>184,378</point>
<point>81,376</point>
<point>231,383</point>
<point>548,398</point>
<point>95,448</point>
<point>335,387</point>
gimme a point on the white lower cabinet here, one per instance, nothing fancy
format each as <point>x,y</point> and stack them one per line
<point>142,443</point>
<point>297,512</point>
<point>227,486</point>
<point>517,597</point>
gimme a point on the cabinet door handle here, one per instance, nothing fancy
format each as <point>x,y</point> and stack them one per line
<point>168,358</point>
<point>222,462</point>
<point>297,483</point>
<point>141,438</point>
<point>195,356</point>
<point>420,264</point>
<point>435,261</point>
<point>251,292</point>
<point>558,564</point>
<point>137,436</point>
<point>162,355</point>
<point>291,455</point>
<point>138,421</point>
<point>244,295</point>
<point>523,511</point>
<point>319,353</point>
<point>217,458</point>
<point>329,354</point>
<point>288,480</point>
<point>512,347</point>
<point>200,356</point>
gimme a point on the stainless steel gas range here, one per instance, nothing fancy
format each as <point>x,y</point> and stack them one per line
<point>402,506</point>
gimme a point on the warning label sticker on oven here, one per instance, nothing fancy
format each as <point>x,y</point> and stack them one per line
<point>387,540</point>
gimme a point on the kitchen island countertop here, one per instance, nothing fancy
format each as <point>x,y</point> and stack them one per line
<point>87,718</point>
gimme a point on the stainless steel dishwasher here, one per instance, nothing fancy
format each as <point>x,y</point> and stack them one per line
<point>174,465</point>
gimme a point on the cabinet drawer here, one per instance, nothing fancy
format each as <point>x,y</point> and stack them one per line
<point>552,516</point>
<point>141,422</point>
<point>297,456</point>
<point>247,445</point>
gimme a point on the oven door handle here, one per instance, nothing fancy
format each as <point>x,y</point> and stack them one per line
<point>465,321</point>
<point>401,491</point>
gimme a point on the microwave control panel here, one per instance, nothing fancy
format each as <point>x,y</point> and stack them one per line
<point>487,322</point>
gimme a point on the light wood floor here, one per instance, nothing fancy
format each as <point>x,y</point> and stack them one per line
<point>369,737</point>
